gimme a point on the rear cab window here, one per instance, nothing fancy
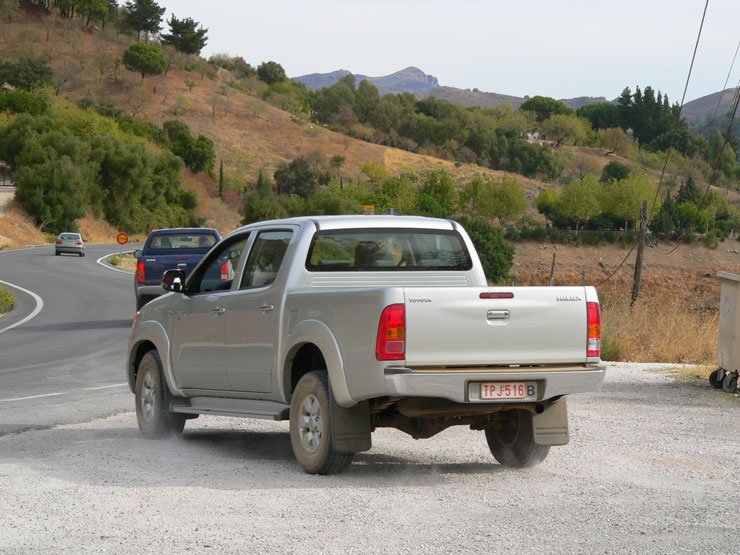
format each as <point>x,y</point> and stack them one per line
<point>178,242</point>
<point>384,250</point>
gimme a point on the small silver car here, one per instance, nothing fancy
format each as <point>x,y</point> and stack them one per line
<point>71,243</point>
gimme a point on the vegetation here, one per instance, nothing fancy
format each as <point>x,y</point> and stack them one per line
<point>146,59</point>
<point>299,190</point>
<point>67,161</point>
<point>143,16</point>
<point>7,300</point>
<point>185,35</point>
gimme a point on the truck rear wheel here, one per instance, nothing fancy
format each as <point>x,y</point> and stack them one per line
<point>310,427</point>
<point>153,399</point>
<point>511,440</point>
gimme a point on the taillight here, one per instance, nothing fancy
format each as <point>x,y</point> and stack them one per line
<point>593,346</point>
<point>58,242</point>
<point>79,242</point>
<point>225,271</point>
<point>140,272</point>
<point>391,343</point>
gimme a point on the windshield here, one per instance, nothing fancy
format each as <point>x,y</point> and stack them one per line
<point>380,250</point>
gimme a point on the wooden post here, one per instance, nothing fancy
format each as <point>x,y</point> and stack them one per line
<point>640,252</point>
<point>551,282</point>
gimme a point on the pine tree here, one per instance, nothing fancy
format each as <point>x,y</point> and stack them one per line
<point>144,16</point>
<point>185,35</point>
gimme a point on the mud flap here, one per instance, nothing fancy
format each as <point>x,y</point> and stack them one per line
<point>551,427</point>
<point>350,428</point>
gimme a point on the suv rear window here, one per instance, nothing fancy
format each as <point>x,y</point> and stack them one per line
<point>174,241</point>
<point>383,250</point>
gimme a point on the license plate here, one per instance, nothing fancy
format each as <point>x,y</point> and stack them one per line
<point>494,391</point>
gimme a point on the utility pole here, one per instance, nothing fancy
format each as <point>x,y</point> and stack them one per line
<point>640,253</point>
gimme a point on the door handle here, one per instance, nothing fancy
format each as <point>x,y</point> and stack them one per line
<point>497,315</point>
<point>267,308</point>
<point>219,310</point>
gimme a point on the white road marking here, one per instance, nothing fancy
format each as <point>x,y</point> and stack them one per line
<point>100,261</point>
<point>39,306</point>
<point>103,387</point>
<point>33,397</point>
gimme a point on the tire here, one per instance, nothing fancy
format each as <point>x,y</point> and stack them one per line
<point>153,399</point>
<point>729,384</point>
<point>511,440</point>
<point>310,427</point>
<point>714,379</point>
<point>57,253</point>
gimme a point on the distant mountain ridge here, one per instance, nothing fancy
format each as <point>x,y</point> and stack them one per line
<point>411,79</point>
<point>414,80</point>
<point>422,85</point>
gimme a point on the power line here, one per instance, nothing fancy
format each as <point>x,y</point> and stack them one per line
<point>724,87</point>
<point>670,143</point>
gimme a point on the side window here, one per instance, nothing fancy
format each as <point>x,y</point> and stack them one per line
<point>220,272</point>
<point>265,258</point>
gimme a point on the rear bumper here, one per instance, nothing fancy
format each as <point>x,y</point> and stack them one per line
<point>70,250</point>
<point>464,386</point>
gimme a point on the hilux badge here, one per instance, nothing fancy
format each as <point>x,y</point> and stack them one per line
<point>567,299</point>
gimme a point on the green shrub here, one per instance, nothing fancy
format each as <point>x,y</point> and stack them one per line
<point>495,253</point>
<point>114,260</point>
<point>7,300</point>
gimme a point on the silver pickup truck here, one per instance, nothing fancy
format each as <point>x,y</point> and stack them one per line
<point>344,324</point>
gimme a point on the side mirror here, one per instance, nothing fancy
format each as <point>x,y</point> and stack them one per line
<point>137,253</point>
<point>173,280</point>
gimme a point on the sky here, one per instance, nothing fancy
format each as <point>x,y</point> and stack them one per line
<point>519,47</point>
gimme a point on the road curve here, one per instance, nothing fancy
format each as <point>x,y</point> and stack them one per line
<point>65,364</point>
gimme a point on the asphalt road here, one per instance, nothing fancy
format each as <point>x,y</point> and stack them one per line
<point>66,364</point>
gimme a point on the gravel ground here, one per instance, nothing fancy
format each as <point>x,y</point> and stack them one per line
<point>652,467</point>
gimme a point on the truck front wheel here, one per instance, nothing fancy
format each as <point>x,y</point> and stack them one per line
<point>153,399</point>
<point>511,440</point>
<point>310,427</point>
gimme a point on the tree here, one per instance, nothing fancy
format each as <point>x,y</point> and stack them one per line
<point>601,115</point>
<point>501,198</point>
<point>146,59</point>
<point>438,196</point>
<point>221,179</point>
<point>580,200</point>
<point>614,171</point>
<point>622,199</point>
<point>337,161</point>
<point>185,35</point>
<point>563,128</point>
<point>9,9</point>
<point>26,73</point>
<point>143,16</point>
<point>296,177</point>
<point>544,107</point>
<point>547,203</point>
<point>97,9</point>
<point>495,253</point>
<point>271,72</point>
<point>615,140</point>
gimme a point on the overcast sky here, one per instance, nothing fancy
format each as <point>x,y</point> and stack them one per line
<point>520,47</point>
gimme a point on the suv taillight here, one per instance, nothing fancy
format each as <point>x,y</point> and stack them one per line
<point>593,346</point>
<point>140,272</point>
<point>391,343</point>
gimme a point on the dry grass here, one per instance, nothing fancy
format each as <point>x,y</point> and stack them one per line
<point>659,329</point>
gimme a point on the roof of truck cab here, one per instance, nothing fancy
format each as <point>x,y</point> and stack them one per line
<point>358,221</point>
<point>172,230</point>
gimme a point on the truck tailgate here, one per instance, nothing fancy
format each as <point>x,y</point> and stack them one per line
<point>454,326</point>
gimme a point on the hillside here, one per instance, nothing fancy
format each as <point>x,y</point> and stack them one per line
<point>697,111</point>
<point>251,134</point>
